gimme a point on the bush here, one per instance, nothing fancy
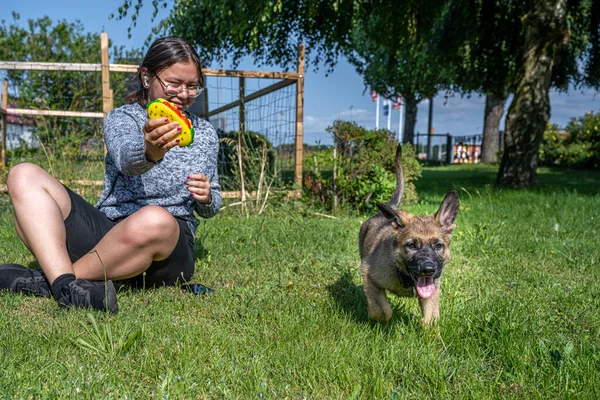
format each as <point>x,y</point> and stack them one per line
<point>363,166</point>
<point>257,155</point>
<point>577,147</point>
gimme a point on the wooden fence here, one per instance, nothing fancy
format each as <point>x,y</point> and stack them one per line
<point>285,79</point>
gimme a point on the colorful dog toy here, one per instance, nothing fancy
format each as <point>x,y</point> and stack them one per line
<point>164,108</point>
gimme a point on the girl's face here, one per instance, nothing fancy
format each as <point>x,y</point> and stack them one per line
<point>175,84</point>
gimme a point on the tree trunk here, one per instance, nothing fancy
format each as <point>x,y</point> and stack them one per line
<point>411,118</point>
<point>529,111</point>
<point>490,145</point>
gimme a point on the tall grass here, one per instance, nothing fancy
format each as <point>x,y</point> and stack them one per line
<point>519,313</point>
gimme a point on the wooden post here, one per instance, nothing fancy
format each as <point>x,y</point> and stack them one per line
<point>335,195</point>
<point>430,130</point>
<point>106,95</point>
<point>205,94</point>
<point>242,104</point>
<point>449,149</point>
<point>4,120</point>
<point>299,119</point>
<point>111,106</point>
<point>241,135</point>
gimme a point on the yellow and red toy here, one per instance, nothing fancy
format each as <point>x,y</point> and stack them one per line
<point>163,108</point>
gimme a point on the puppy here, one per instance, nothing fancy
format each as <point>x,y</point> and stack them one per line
<point>405,254</point>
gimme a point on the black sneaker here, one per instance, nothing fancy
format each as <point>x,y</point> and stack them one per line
<point>98,295</point>
<point>20,279</point>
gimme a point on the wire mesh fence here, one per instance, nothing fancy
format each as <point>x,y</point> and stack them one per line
<point>52,115</point>
<point>268,125</point>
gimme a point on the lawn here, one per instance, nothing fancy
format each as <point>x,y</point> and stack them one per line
<point>519,309</point>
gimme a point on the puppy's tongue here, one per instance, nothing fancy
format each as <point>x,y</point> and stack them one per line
<point>425,287</point>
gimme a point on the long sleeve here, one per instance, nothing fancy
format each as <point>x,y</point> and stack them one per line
<point>124,141</point>
<point>132,182</point>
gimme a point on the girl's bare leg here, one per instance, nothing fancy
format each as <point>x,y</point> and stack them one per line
<point>41,205</point>
<point>129,248</point>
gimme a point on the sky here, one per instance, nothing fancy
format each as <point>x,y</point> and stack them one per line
<point>337,95</point>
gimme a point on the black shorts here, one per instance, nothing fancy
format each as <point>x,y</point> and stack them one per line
<point>86,226</point>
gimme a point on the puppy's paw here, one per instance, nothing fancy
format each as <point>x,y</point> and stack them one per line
<point>430,320</point>
<point>380,314</point>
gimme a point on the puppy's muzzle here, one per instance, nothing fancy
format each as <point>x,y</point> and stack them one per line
<point>425,263</point>
<point>424,270</point>
<point>428,268</point>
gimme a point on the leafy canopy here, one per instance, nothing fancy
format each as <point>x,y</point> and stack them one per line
<point>42,40</point>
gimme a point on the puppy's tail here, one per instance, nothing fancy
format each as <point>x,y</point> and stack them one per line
<point>399,192</point>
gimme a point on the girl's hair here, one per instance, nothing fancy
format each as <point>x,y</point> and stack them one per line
<point>163,53</point>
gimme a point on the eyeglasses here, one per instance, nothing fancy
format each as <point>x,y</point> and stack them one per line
<point>173,89</point>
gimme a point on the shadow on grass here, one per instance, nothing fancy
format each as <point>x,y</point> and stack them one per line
<point>350,298</point>
<point>200,251</point>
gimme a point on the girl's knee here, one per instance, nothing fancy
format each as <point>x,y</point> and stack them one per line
<point>157,217</point>
<point>22,176</point>
<point>29,181</point>
<point>154,223</point>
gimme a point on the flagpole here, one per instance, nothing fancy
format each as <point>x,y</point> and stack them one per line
<point>377,114</point>
<point>400,123</point>
<point>389,122</point>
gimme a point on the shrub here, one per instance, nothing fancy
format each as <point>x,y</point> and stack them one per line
<point>577,147</point>
<point>257,155</point>
<point>363,166</point>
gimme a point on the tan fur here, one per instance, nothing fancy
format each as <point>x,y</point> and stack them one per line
<point>385,242</point>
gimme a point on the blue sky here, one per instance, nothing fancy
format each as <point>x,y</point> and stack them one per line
<point>339,95</point>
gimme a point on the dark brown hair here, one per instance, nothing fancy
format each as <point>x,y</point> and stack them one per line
<point>163,53</point>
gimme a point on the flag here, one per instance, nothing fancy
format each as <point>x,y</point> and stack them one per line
<point>397,103</point>
<point>374,95</point>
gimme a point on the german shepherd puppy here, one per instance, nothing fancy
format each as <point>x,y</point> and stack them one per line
<point>405,254</point>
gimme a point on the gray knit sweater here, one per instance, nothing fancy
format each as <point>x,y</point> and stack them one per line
<point>131,181</point>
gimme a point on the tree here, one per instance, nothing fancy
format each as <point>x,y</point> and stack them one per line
<point>44,41</point>
<point>524,48</point>
<point>546,43</point>
<point>560,37</point>
<point>485,52</point>
<point>268,31</point>
<point>372,35</point>
<point>389,66</point>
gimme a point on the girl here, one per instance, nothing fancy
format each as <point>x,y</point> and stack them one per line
<point>143,227</point>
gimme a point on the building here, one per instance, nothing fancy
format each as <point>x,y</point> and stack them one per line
<point>20,132</point>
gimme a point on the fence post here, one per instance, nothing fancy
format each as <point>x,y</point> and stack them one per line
<point>4,120</point>
<point>106,97</point>
<point>430,130</point>
<point>205,95</point>
<point>299,120</point>
<point>241,137</point>
<point>449,149</point>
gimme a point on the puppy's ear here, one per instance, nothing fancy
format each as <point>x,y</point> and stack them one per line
<point>446,214</point>
<point>391,213</point>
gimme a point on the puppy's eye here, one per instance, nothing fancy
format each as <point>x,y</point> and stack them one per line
<point>411,245</point>
<point>438,246</point>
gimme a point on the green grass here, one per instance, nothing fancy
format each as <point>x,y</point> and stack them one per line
<point>288,319</point>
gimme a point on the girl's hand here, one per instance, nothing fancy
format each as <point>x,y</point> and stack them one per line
<point>199,187</point>
<point>159,137</point>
